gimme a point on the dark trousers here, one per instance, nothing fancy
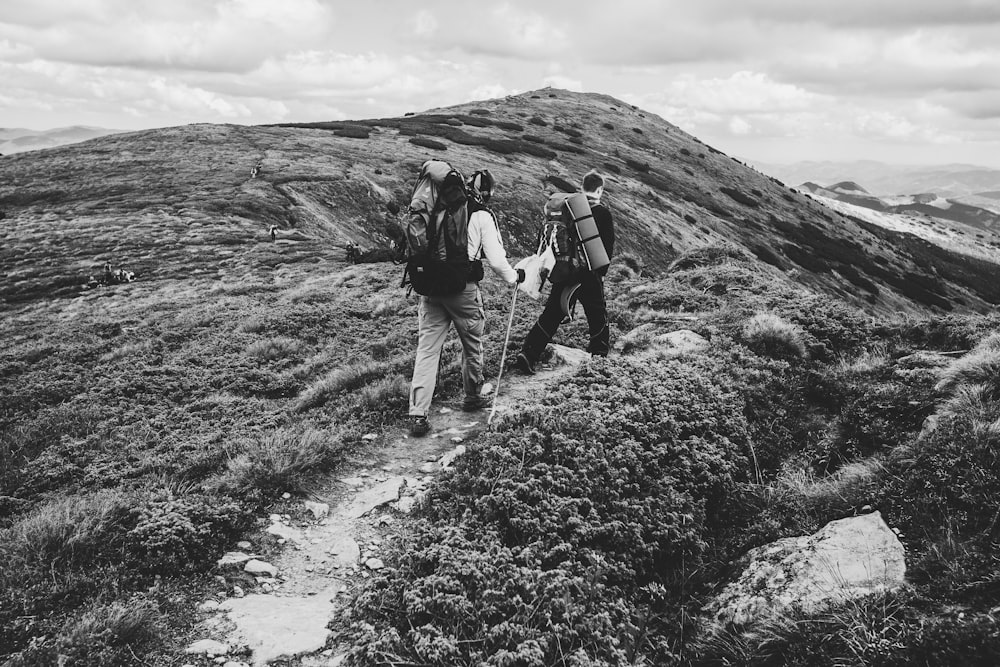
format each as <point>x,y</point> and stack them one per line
<point>591,296</point>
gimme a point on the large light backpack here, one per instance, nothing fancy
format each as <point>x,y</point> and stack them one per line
<point>437,232</point>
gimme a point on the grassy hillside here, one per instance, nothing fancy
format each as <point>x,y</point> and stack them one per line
<point>145,427</point>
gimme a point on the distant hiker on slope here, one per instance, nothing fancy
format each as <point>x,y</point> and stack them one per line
<point>444,212</point>
<point>578,274</point>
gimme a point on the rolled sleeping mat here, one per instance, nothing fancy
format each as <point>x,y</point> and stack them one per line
<point>586,230</point>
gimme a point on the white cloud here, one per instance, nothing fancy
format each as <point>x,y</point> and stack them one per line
<point>424,23</point>
<point>491,91</point>
<point>564,82</point>
<point>903,72</point>
<point>740,93</point>
<point>227,35</point>
<point>738,125</point>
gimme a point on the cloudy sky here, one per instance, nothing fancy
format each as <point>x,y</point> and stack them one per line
<point>902,81</point>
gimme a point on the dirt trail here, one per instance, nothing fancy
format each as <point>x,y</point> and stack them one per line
<point>332,546</point>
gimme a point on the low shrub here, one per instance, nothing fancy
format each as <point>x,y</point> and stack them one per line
<point>709,255</point>
<point>632,261</point>
<point>886,629</point>
<point>171,533</point>
<point>942,490</point>
<point>740,197</point>
<point>353,132</point>
<point>765,254</point>
<point>874,406</point>
<point>424,142</point>
<point>838,326</point>
<point>561,183</point>
<point>509,126</point>
<point>669,295</point>
<point>105,635</point>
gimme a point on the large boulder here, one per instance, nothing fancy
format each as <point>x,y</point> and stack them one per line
<point>846,559</point>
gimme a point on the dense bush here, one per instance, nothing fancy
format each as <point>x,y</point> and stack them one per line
<point>838,326</point>
<point>537,548</point>
<point>945,485</point>
<point>170,533</point>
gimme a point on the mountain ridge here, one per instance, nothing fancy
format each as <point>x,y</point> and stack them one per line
<point>342,181</point>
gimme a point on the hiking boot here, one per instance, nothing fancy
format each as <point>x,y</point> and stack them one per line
<point>419,426</point>
<point>524,365</point>
<point>476,402</point>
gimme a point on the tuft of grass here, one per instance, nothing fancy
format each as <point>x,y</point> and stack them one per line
<point>344,379</point>
<point>847,487</point>
<point>773,336</point>
<point>382,305</point>
<point>275,348</point>
<point>979,366</point>
<point>136,349</point>
<point>70,532</point>
<point>252,325</point>
<point>285,459</point>
<point>387,395</point>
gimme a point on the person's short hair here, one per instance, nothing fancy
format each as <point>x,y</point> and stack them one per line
<point>592,181</point>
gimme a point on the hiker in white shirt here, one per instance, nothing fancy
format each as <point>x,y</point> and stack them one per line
<point>464,310</point>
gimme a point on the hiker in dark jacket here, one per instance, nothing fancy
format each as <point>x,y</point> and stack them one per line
<point>587,287</point>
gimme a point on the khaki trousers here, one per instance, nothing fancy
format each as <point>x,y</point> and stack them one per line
<point>436,315</point>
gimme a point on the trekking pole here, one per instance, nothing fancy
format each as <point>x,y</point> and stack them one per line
<point>503,357</point>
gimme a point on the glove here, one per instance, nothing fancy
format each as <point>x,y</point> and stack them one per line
<point>520,276</point>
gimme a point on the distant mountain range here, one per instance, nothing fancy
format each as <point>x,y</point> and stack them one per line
<point>881,179</point>
<point>930,205</point>
<point>19,140</point>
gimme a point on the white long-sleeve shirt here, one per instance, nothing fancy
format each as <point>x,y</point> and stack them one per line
<point>485,242</point>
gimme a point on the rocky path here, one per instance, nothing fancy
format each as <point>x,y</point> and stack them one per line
<point>331,544</point>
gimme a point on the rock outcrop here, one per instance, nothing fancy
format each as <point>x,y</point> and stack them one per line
<point>846,559</point>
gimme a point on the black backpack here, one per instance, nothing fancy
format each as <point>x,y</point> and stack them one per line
<point>437,233</point>
<point>572,233</point>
